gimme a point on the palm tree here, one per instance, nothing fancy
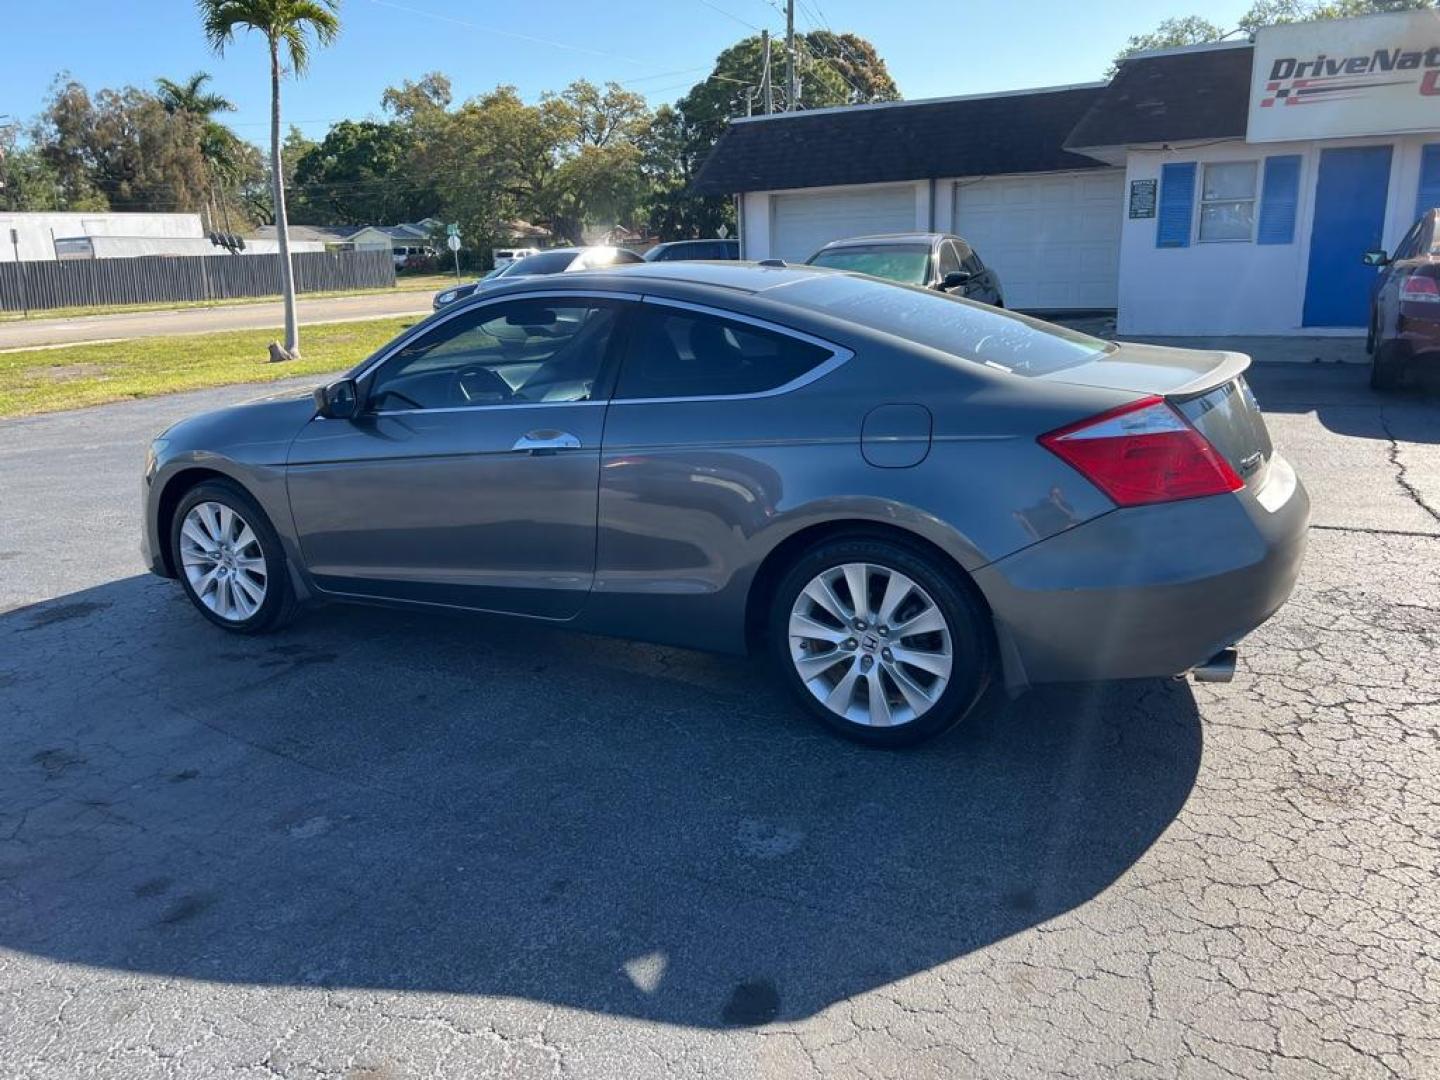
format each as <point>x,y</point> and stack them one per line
<point>218,145</point>
<point>190,99</point>
<point>289,23</point>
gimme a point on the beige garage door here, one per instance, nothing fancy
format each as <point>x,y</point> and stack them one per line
<point>1053,238</point>
<point>802,224</point>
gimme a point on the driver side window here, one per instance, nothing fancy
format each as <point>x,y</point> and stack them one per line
<point>523,352</point>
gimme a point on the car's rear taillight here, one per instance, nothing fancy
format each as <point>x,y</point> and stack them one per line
<point>1420,287</point>
<point>1143,452</point>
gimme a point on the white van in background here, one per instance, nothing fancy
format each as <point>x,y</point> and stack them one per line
<point>505,256</point>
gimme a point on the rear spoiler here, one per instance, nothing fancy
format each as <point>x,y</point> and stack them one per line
<point>1229,366</point>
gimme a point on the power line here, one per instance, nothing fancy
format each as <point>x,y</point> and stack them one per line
<point>663,74</point>
<point>729,15</point>
<point>820,23</point>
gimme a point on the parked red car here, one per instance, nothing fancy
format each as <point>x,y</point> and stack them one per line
<point>1405,304</point>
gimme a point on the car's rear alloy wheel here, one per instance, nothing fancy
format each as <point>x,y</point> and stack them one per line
<point>223,561</point>
<point>870,644</point>
<point>880,643</point>
<point>229,559</point>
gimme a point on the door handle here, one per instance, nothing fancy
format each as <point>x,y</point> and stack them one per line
<point>546,441</point>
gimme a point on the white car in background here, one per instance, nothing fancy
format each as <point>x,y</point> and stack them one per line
<point>505,256</point>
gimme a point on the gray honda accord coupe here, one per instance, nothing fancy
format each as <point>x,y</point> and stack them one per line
<point>901,495</point>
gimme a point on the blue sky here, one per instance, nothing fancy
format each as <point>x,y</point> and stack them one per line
<point>657,47</point>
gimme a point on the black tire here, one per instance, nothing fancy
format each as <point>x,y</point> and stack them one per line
<point>1387,366</point>
<point>1371,334</point>
<point>278,605</point>
<point>968,622</point>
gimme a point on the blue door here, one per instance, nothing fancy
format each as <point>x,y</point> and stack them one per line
<point>1349,220</point>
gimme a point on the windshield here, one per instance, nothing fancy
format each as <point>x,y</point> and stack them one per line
<point>547,262</point>
<point>907,263</point>
<point>962,328</point>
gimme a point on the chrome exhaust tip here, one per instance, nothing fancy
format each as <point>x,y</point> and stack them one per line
<point>1219,668</point>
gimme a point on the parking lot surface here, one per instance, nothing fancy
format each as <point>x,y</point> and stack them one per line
<point>386,845</point>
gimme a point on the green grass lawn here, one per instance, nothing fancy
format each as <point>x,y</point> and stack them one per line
<point>48,380</point>
<point>426,283</point>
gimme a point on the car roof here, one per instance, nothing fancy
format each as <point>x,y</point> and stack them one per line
<point>893,238</point>
<point>736,276</point>
<point>700,240</point>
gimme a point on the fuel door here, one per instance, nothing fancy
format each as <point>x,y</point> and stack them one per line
<point>896,436</point>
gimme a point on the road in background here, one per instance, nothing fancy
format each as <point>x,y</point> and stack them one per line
<point>25,334</point>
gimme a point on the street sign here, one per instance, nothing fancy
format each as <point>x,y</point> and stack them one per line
<point>452,230</point>
<point>453,242</point>
<point>723,231</point>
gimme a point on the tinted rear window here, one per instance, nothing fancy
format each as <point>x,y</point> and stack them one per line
<point>675,353</point>
<point>963,328</point>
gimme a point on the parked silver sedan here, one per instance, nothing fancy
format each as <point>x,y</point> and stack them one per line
<point>899,494</point>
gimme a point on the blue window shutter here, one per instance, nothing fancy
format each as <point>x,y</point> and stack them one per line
<point>1429,179</point>
<point>1177,203</point>
<point>1279,199</point>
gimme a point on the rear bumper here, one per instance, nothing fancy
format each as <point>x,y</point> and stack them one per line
<point>1148,591</point>
<point>1419,333</point>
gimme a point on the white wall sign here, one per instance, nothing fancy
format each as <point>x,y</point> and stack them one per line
<point>1378,74</point>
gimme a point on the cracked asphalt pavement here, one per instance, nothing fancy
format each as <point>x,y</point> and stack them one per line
<point>388,845</point>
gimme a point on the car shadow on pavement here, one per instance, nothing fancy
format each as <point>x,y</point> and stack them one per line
<point>1341,398</point>
<point>409,802</point>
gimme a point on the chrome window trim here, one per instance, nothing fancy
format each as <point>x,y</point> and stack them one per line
<point>839,354</point>
<point>507,407</point>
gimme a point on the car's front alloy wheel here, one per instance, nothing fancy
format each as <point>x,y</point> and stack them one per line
<point>223,561</point>
<point>229,558</point>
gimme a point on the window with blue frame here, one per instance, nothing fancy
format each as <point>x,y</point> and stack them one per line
<point>1233,201</point>
<point>1227,201</point>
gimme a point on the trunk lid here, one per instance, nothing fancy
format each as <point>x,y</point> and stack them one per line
<point>1207,387</point>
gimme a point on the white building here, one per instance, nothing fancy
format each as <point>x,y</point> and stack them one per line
<point>1227,189</point>
<point>414,238</point>
<point>45,236</point>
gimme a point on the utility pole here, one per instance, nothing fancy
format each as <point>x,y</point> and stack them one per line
<point>790,93</point>
<point>767,84</point>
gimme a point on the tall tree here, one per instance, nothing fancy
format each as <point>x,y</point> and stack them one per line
<point>410,101</point>
<point>669,161</point>
<point>27,182</point>
<point>834,69</point>
<point>189,102</point>
<point>857,63</point>
<point>291,24</point>
<point>360,174</point>
<point>597,180</point>
<point>189,98</point>
<point>1194,30</point>
<point>119,150</point>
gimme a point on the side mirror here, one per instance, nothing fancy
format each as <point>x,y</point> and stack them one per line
<point>956,279</point>
<point>338,401</point>
<point>1375,257</point>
